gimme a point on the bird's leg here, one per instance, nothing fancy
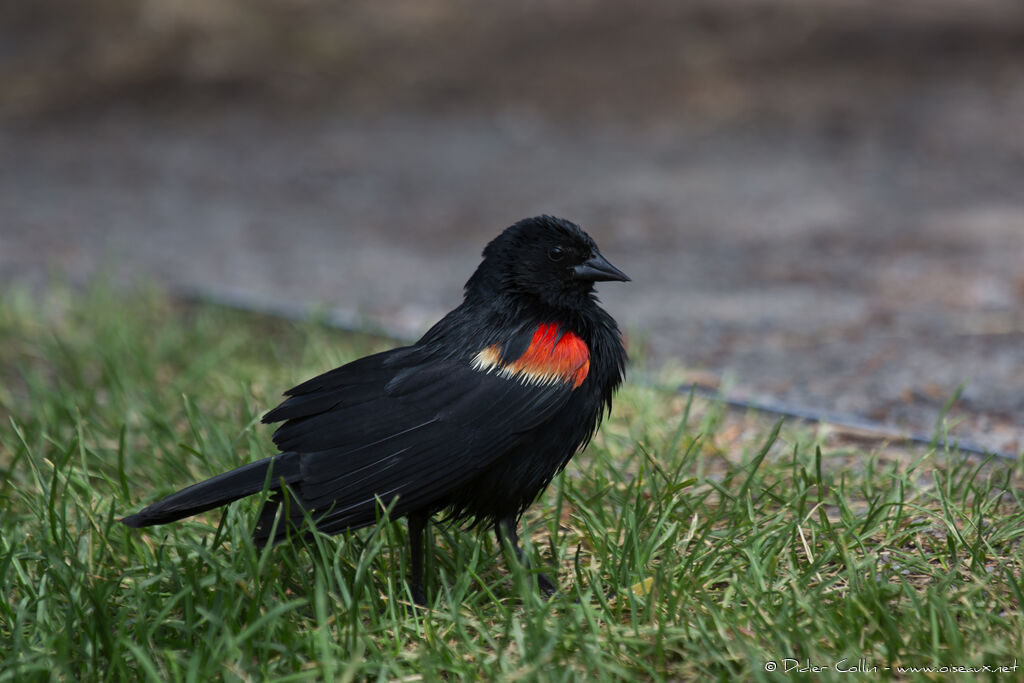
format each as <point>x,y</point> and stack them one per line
<point>506,528</point>
<point>417,523</point>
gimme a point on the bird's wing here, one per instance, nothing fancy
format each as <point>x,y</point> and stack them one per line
<point>401,424</point>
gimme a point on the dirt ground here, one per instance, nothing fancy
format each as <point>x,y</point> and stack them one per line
<point>820,200</point>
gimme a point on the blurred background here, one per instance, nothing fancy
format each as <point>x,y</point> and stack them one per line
<point>822,199</point>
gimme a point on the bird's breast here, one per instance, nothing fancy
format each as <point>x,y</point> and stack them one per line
<point>552,355</point>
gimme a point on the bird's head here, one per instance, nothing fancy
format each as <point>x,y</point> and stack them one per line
<point>548,259</point>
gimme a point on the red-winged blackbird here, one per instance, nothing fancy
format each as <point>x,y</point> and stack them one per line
<point>472,420</point>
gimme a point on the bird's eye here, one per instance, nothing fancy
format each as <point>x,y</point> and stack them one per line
<point>556,254</point>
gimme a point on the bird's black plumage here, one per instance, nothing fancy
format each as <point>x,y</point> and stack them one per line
<point>473,420</point>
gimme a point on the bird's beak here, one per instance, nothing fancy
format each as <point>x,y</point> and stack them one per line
<point>597,269</point>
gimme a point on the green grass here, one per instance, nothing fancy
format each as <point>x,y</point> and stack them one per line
<point>690,543</point>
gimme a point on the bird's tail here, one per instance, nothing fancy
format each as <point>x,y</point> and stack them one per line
<point>247,480</point>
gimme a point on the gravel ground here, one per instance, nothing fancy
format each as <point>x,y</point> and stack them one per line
<point>846,238</point>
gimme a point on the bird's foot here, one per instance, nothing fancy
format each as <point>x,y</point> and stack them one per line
<point>419,598</point>
<point>547,587</point>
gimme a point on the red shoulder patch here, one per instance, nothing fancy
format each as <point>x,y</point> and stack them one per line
<point>552,356</point>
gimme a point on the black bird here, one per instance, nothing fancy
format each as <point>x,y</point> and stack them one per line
<point>473,420</point>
